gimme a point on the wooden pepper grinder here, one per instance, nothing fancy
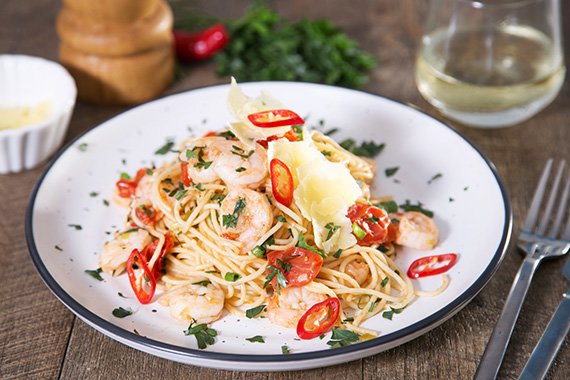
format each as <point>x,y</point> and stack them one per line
<point>118,51</point>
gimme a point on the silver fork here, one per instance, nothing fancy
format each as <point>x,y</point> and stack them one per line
<point>537,245</point>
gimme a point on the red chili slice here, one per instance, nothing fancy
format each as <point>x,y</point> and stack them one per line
<point>275,118</point>
<point>426,266</point>
<point>145,284</point>
<point>186,180</point>
<point>319,319</point>
<point>147,215</point>
<point>128,187</point>
<point>281,182</point>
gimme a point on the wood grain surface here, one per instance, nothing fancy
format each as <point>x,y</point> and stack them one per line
<point>41,339</point>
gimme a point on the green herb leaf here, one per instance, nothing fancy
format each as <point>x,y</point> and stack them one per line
<point>240,169</point>
<point>203,334</point>
<point>384,281</point>
<point>438,175</point>
<point>106,202</point>
<point>332,229</point>
<point>326,153</point>
<point>82,147</point>
<point>302,243</point>
<point>58,248</point>
<point>254,312</point>
<point>391,171</point>
<point>341,337</point>
<point>281,218</point>
<point>256,339</point>
<point>417,207</point>
<point>95,273</point>
<point>125,176</point>
<point>203,283</point>
<point>337,254</point>
<point>218,197</point>
<point>122,313</point>
<point>93,194</point>
<point>389,206</point>
<point>230,220</point>
<point>366,149</point>
<point>121,295</point>
<point>390,313</point>
<point>165,148</point>
<point>285,350</point>
<point>203,164</point>
<point>190,154</point>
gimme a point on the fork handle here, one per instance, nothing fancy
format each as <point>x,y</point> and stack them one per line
<point>495,351</point>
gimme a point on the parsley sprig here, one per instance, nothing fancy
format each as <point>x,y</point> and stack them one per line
<point>204,335</point>
<point>366,149</point>
<point>303,244</point>
<point>341,337</point>
<point>408,206</point>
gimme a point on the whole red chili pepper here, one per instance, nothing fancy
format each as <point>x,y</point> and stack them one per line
<point>196,46</point>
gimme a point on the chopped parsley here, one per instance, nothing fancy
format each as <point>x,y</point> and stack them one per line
<point>106,202</point>
<point>82,147</point>
<point>384,281</point>
<point>256,339</point>
<point>122,313</point>
<point>218,197</point>
<point>58,248</point>
<point>373,305</point>
<point>417,207</point>
<point>451,199</point>
<point>372,219</point>
<point>285,350</point>
<point>148,171</point>
<point>197,186</point>
<point>391,171</point>
<point>203,164</point>
<point>204,335</point>
<point>203,283</point>
<point>190,154</point>
<point>438,175</point>
<point>337,254</point>
<point>180,194</point>
<point>332,229</point>
<point>240,169</point>
<point>165,148</point>
<point>390,313</point>
<point>389,206</point>
<point>121,295</point>
<point>230,220</point>
<point>303,244</point>
<point>95,273</point>
<point>367,149</point>
<point>232,277</point>
<point>76,226</point>
<point>281,281</point>
<point>245,156</point>
<point>326,153</point>
<point>331,131</point>
<point>93,194</point>
<point>347,320</point>
<point>341,337</point>
<point>226,134</point>
<point>281,218</point>
<point>254,312</point>
<point>125,176</point>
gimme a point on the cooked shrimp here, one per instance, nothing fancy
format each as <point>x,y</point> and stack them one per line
<point>416,230</point>
<point>144,187</point>
<point>358,270</point>
<point>115,253</point>
<point>239,166</point>
<point>201,159</point>
<point>202,303</point>
<point>245,217</point>
<point>287,308</point>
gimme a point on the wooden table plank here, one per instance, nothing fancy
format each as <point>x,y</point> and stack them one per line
<point>39,338</point>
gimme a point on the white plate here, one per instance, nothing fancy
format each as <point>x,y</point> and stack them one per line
<point>470,204</point>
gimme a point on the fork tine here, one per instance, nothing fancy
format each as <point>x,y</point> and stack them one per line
<point>561,211</point>
<point>551,199</point>
<point>537,198</point>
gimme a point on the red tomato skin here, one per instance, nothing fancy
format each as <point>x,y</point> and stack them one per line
<point>334,304</point>
<point>128,187</point>
<point>376,232</point>
<point>305,265</point>
<point>200,45</point>
<point>290,135</point>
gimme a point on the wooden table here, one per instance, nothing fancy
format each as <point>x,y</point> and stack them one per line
<point>40,338</point>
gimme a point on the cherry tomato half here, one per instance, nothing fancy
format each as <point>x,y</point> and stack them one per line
<point>431,265</point>
<point>127,187</point>
<point>281,182</point>
<point>145,284</point>
<point>275,118</point>
<point>319,318</point>
<point>374,223</point>
<point>193,46</point>
<point>301,265</point>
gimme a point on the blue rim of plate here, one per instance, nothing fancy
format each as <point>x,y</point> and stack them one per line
<point>396,338</point>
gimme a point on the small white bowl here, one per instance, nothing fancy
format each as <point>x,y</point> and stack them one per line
<point>28,81</point>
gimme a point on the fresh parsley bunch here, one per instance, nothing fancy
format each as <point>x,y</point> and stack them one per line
<point>263,46</point>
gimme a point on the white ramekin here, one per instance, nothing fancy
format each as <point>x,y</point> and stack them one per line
<point>27,81</point>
